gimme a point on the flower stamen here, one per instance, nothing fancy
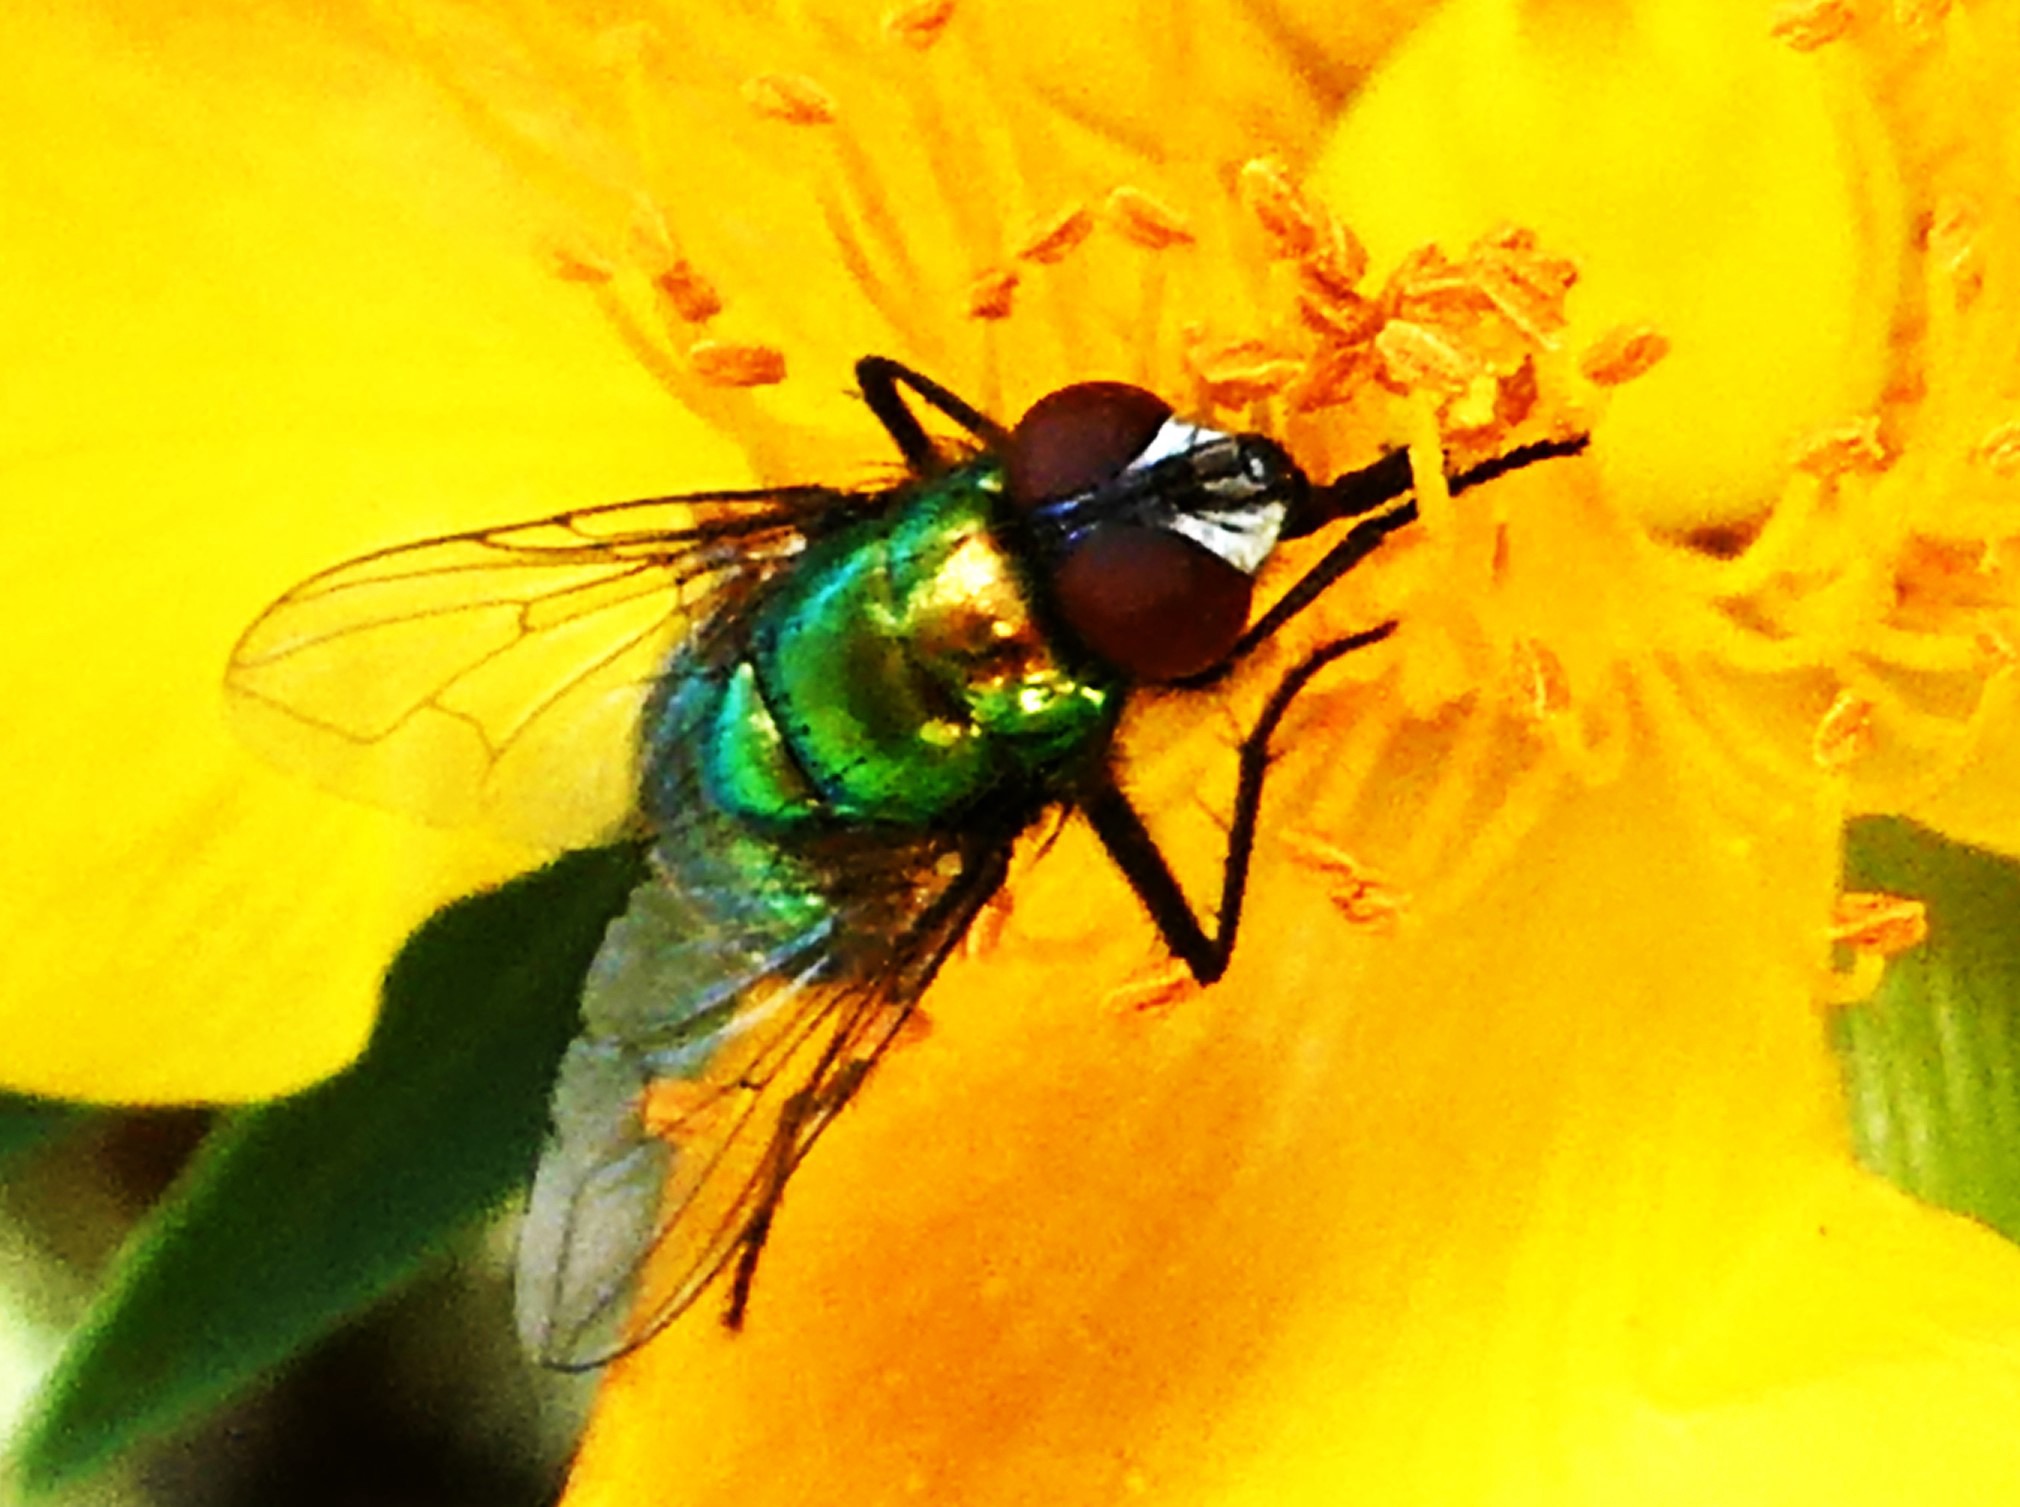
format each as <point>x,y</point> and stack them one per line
<point>1056,238</point>
<point>1145,221</point>
<point>1809,24</point>
<point>1878,923</point>
<point>692,298</point>
<point>1150,993</point>
<point>1843,449</point>
<point>1871,927</point>
<point>1844,733</point>
<point>573,262</point>
<point>991,293</point>
<point>722,364</point>
<point>1236,373</point>
<point>985,932</point>
<point>791,98</point>
<point>1999,451</point>
<point>1954,251</point>
<point>1360,895</point>
<point>918,24</point>
<point>1540,673</point>
<point>1415,356</point>
<point>1622,353</point>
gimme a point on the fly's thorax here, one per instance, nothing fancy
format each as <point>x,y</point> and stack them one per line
<point>965,601</point>
<point>896,676</point>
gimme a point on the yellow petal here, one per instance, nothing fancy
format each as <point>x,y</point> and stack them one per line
<point>1738,195</point>
<point>267,308</point>
<point>1982,803</point>
<point>1546,1201</point>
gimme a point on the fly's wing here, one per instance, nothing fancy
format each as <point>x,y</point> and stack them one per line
<point>499,675</point>
<point>675,1130</point>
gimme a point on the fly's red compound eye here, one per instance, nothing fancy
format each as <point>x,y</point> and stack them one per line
<point>1148,601</point>
<point>1077,438</point>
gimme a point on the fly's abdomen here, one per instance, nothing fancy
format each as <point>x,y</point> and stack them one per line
<point>897,677</point>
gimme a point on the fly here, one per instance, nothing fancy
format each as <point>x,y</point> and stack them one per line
<point>831,713</point>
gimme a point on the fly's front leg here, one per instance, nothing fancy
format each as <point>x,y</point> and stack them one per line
<point>1357,495</point>
<point>1136,853</point>
<point>880,378</point>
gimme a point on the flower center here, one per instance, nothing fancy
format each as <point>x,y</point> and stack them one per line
<point>753,208</point>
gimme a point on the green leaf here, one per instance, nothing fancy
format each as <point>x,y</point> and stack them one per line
<point>27,1122</point>
<point>1932,1060</point>
<point>297,1214</point>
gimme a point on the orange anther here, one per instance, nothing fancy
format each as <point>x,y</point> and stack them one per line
<point>1148,222</point>
<point>574,263</point>
<point>920,23</point>
<point>1238,372</point>
<point>1808,24</point>
<point>1053,240</point>
<point>791,97</point>
<point>692,295</point>
<point>1360,895</point>
<point>1852,446</point>
<point>990,293</point>
<point>1285,216</point>
<point>1878,923</point>
<point>723,365</point>
<point>1999,451</point>
<point>1844,733</point>
<point>1622,354</point>
<point>1151,993</point>
<point>1416,356</point>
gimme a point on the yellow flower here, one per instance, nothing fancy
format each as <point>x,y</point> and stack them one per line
<point>1507,1164</point>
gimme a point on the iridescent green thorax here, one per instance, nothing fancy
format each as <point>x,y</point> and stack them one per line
<point>896,675</point>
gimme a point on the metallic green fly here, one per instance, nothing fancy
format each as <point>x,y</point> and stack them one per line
<point>833,712</point>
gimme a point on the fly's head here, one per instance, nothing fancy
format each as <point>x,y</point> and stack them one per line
<point>1148,531</point>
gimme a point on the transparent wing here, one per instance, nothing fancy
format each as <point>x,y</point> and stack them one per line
<point>675,1131</point>
<point>498,675</point>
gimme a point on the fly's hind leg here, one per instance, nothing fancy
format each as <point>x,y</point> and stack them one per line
<point>1135,852</point>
